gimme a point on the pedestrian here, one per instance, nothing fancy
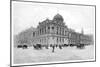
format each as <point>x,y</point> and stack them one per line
<point>53,47</point>
<point>60,46</point>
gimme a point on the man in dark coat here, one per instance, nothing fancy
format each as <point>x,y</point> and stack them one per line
<point>53,47</point>
<point>60,46</point>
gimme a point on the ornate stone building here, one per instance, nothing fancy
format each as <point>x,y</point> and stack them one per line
<point>55,32</point>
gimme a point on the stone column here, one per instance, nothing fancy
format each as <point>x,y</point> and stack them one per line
<point>45,29</point>
<point>60,30</point>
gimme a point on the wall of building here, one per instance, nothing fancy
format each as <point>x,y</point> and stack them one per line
<point>56,32</point>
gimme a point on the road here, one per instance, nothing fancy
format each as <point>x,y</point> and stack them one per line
<point>31,55</point>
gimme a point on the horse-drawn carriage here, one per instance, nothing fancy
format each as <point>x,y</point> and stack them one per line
<point>22,46</point>
<point>37,46</point>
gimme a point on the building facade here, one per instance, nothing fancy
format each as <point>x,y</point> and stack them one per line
<point>55,32</point>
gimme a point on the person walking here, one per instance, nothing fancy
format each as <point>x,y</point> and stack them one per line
<point>53,47</point>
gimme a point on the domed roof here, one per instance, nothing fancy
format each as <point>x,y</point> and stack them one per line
<point>58,16</point>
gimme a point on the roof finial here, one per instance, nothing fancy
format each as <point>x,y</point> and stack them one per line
<point>57,11</point>
<point>82,31</point>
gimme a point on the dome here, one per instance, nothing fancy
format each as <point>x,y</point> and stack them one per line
<point>58,17</point>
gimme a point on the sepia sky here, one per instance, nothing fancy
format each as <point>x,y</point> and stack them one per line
<point>27,14</point>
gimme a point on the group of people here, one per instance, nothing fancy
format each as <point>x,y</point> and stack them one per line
<point>55,46</point>
<point>39,46</point>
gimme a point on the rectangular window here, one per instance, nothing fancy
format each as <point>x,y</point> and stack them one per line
<point>57,39</point>
<point>53,28</point>
<point>48,27</point>
<point>33,34</point>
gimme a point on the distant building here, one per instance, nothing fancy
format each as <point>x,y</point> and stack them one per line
<point>55,32</point>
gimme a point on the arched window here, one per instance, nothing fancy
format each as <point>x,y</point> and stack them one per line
<point>45,29</point>
<point>57,29</point>
<point>60,30</point>
<point>40,31</point>
<point>48,31</point>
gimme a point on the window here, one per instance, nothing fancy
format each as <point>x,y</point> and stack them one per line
<point>57,39</point>
<point>52,27</point>
<point>65,32</point>
<point>60,30</point>
<point>57,30</point>
<point>48,27</point>
<point>40,40</point>
<point>60,39</point>
<point>40,31</point>
<point>63,39</point>
<point>45,30</point>
<point>52,37</point>
<point>33,34</point>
